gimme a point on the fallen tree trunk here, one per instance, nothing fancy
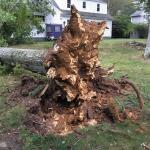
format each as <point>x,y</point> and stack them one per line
<point>30,59</point>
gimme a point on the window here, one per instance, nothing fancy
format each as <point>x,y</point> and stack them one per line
<point>64,23</point>
<point>42,18</point>
<point>68,21</point>
<point>84,4</point>
<point>98,7</point>
<point>145,16</point>
<point>68,3</point>
<point>48,28</point>
<point>57,29</point>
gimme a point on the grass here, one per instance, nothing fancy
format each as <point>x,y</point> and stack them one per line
<point>121,136</point>
<point>35,45</point>
<point>12,118</point>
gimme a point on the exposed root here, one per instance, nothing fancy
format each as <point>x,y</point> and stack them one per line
<point>61,117</point>
<point>113,109</point>
<point>139,96</point>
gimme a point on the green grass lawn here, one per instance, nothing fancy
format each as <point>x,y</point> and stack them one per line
<point>35,45</point>
<point>119,136</point>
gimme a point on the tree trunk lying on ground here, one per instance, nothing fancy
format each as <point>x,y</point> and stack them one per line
<point>79,89</point>
<point>28,58</point>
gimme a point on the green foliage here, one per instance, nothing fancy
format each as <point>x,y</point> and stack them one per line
<point>121,7</point>
<point>146,5</point>
<point>121,27</point>
<point>142,30</point>
<point>2,42</point>
<point>17,19</point>
<point>5,69</point>
<point>39,6</point>
<point>18,70</point>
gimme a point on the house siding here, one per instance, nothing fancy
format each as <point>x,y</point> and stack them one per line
<point>91,8</point>
<point>139,18</point>
<point>36,35</point>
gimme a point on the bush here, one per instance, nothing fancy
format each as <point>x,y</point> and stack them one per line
<point>2,42</point>
<point>17,19</point>
<point>6,69</point>
<point>141,30</point>
<point>121,27</point>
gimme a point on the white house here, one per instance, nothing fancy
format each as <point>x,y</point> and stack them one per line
<point>91,10</point>
<point>139,17</point>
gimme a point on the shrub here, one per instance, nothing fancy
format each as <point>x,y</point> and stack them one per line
<point>121,27</point>
<point>141,30</point>
<point>17,19</point>
<point>2,42</point>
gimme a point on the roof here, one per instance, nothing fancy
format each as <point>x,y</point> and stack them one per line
<point>55,4</point>
<point>87,15</point>
<point>38,14</point>
<point>99,1</point>
<point>137,13</point>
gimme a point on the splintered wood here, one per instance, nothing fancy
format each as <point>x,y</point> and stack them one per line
<point>74,59</point>
<point>76,75</point>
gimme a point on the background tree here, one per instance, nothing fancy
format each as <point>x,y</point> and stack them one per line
<point>17,18</point>
<point>122,27</point>
<point>121,11</point>
<point>147,9</point>
<point>141,30</point>
<point>124,7</point>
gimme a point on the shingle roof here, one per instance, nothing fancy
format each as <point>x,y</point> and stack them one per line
<point>137,13</point>
<point>87,15</point>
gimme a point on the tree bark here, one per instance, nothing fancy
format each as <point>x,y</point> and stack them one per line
<point>28,58</point>
<point>147,49</point>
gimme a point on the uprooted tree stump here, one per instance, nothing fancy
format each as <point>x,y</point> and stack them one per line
<point>78,90</point>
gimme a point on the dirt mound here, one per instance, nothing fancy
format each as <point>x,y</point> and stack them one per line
<point>44,115</point>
